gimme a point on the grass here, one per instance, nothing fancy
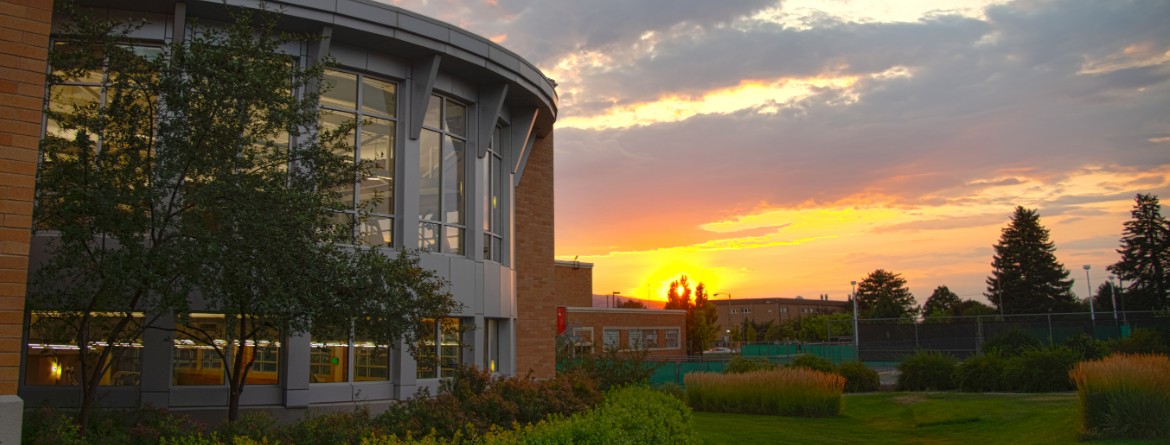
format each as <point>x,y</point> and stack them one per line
<point>914,418</point>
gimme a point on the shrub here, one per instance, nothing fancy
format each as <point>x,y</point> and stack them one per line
<point>46,426</point>
<point>1125,396</point>
<point>111,426</point>
<point>982,373</point>
<point>813,362</point>
<point>787,392</point>
<point>254,425</point>
<point>859,378</point>
<point>674,390</point>
<point>331,428</point>
<point>1011,343</point>
<point>632,415</point>
<point>1041,370</point>
<point>926,370</point>
<point>740,365</point>
<point>1140,341</point>
<point>612,368</point>
<point>472,403</point>
<point>1087,347</point>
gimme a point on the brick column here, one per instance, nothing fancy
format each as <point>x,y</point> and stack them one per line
<point>536,319</point>
<point>24,43</point>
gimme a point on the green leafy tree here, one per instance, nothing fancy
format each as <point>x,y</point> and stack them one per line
<point>942,303</point>
<point>631,304</point>
<point>1026,278</point>
<point>751,334</point>
<point>702,320</point>
<point>824,327</point>
<point>194,184</point>
<point>972,308</point>
<point>883,294</point>
<point>1145,256</point>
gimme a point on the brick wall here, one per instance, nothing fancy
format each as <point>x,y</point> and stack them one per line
<point>24,42</point>
<point>779,310</point>
<point>627,319</point>
<point>574,285</point>
<point>536,322</point>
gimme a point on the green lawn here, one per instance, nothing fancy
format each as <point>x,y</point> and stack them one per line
<point>913,418</point>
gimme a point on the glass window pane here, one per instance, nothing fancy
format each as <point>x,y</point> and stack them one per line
<point>377,149</point>
<point>456,119</point>
<point>378,231</point>
<point>496,211</point>
<point>451,346</point>
<point>52,355</point>
<point>453,180</point>
<point>329,359</point>
<point>331,121</point>
<point>428,237</point>
<point>373,361</point>
<point>378,97</point>
<point>485,190</point>
<point>453,240</point>
<point>195,361</point>
<point>339,90</point>
<point>266,367</point>
<point>430,175</point>
<point>491,344</point>
<point>427,351</point>
<point>81,57</point>
<point>434,110</point>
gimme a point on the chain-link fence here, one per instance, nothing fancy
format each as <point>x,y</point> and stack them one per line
<point>890,340</point>
<point>883,343</point>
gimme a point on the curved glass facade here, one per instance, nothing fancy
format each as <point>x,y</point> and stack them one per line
<point>446,147</point>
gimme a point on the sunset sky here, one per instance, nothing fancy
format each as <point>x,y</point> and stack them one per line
<point>776,149</point>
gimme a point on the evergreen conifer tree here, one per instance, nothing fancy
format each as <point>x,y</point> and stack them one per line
<point>883,294</point>
<point>1145,256</point>
<point>1026,278</point>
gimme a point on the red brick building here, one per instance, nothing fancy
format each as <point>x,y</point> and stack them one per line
<point>24,42</point>
<point>587,329</point>
<point>733,312</point>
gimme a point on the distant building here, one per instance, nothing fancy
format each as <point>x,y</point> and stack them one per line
<point>588,329</point>
<point>733,312</point>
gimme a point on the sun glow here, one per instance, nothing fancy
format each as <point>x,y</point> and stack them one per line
<point>942,238</point>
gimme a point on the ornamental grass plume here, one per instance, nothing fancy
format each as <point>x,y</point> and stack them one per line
<point>1125,396</point>
<point>787,392</point>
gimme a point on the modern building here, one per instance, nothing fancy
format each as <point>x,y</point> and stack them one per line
<point>586,329</point>
<point>464,109</point>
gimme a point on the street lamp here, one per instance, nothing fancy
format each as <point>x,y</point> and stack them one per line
<point>1113,294</point>
<point>613,298</point>
<point>1092,313</point>
<point>856,342</point>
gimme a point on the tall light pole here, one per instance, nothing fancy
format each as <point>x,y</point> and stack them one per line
<point>728,294</point>
<point>1092,313</point>
<point>856,337</point>
<point>1113,294</point>
<point>613,298</point>
<point>1121,285</point>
